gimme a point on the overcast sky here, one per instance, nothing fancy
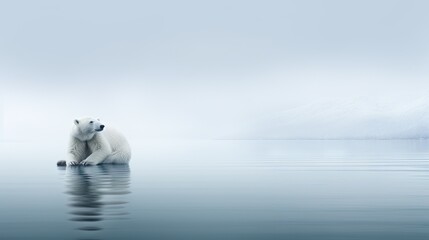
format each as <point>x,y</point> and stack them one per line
<point>216,69</point>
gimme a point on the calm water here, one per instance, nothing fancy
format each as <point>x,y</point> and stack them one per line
<point>221,190</point>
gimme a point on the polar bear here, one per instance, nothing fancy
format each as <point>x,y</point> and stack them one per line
<point>92,144</point>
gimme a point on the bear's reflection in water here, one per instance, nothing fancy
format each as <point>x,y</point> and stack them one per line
<point>97,194</point>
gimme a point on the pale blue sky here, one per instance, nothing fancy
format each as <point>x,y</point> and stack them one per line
<point>211,68</point>
<point>56,38</point>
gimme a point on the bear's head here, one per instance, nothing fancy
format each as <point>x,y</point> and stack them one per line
<point>88,126</point>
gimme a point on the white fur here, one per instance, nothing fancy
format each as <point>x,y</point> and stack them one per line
<point>92,145</point>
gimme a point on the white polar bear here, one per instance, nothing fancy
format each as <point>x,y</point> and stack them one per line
<point>91,144</point>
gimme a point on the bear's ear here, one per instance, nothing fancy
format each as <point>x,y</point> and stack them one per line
<point>98,119</point>
<point>76,121</point>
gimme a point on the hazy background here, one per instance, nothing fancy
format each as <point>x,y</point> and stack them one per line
<point>215,69</point>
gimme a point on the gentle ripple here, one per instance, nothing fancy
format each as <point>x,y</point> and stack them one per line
<point>90,190</point>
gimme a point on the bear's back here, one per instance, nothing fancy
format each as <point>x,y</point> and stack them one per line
<point>116,139</point>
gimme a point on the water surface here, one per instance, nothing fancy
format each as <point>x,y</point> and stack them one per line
<point>221,190</point>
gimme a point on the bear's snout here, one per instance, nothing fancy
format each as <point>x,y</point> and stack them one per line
<point>100,128</point>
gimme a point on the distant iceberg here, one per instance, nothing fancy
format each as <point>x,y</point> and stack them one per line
<point>358,118</point>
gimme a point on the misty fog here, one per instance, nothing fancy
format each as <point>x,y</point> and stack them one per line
<point>221,70</point>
